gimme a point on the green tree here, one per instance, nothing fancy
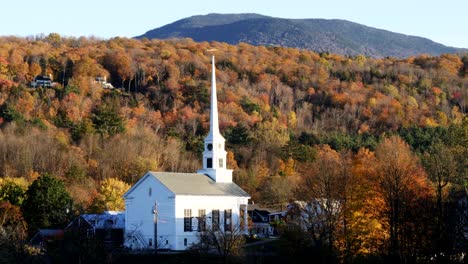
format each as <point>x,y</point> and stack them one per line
<point>9,113</point>
<point>238,135</point>
<point>441,167</point>
<point>457,140</point>
<point>11,192</point>
<point>420,139</point>
<point>47,203</point>
<point>107,121</point>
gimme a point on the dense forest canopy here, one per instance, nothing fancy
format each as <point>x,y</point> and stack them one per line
<point>296,123</point>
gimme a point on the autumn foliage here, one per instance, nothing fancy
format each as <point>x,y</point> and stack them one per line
<point>298,125</point>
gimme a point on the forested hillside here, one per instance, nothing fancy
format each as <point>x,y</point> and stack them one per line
<point>298,125</point>
<point>319,35</point>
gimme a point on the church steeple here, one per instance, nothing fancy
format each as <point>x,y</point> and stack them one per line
<point>214,125</point>
<point>214,155</point>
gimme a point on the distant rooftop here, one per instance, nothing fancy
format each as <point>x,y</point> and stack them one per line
<point>42,78</point>
<point>108,219</point>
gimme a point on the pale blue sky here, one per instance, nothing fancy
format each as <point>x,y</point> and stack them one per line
<point>444,21</point>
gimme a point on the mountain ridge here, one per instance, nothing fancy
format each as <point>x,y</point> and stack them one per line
<point>320,35</point>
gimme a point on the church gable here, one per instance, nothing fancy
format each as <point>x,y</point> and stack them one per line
<point>144,181</point>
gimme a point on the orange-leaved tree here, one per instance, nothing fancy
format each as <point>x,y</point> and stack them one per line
<point>405,191</point>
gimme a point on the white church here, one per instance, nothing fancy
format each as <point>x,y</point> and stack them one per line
<point>167,210</point>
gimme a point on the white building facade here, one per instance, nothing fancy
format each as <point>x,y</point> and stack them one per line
<point>167,210</point>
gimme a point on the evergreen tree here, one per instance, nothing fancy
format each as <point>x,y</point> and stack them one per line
<point>107,121</point>
<point>47,203</point>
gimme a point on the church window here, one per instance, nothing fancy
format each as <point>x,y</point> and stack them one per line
<point>228,220</point>
<point>187,220</point>
<point>215,220</point>
<point>221,163</point>
<point>201,220</point>
<point>209,147</point>
<point>209,163</point>
<point>150,191</point>
<point>185,241</point>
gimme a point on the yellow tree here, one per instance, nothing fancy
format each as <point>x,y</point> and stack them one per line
<point>88,67</point>
<point>3,69</point>
<point>17,66</point>
<point>366,233</point>
<point>109,196</point>
<point>34,69</point>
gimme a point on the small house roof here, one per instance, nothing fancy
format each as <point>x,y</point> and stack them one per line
<point>108,219</point>
<point>51,232</point>
<point>192,184</point>
<point>43,78</point>
<point>44,235</point>
<point>260,207</point>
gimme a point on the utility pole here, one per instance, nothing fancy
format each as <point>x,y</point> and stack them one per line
<point>155,219</point>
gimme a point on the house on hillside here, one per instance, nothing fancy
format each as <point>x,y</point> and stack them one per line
<point>263,220</point>
<point>107,228</point>
<point>103,82</point>
<point>42,81</point>
<point>166,210</point>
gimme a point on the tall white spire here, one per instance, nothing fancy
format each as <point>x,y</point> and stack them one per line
<point>214,123</point>
<point>214,155</point>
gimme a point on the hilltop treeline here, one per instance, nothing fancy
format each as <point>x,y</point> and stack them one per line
<point>290,117</point>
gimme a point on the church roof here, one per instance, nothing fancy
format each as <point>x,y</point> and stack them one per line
<point>196,184</point>
<point>191,184</point>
